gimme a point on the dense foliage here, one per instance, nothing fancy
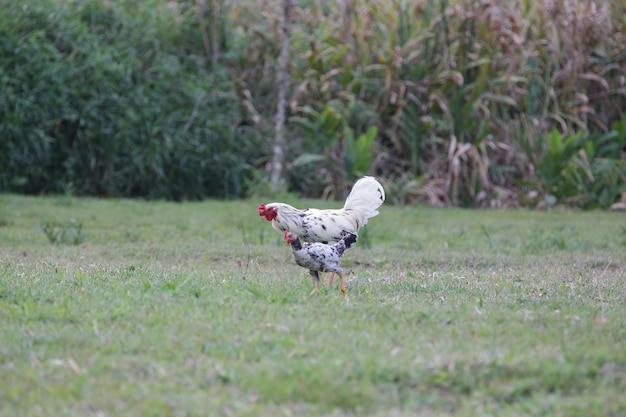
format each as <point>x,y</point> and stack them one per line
<point>113,99</point>
<point>453,102</point>
<point>477,103</point>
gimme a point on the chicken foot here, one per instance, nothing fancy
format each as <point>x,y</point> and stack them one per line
<point>342,285</point>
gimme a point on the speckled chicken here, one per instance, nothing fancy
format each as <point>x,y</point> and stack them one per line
<point>320,257</point>
<point>331,225</point>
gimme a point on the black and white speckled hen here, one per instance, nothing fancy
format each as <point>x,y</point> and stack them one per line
<point>320,257</point>
<point>326,226</point>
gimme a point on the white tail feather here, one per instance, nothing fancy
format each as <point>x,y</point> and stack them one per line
<point>366,196</point>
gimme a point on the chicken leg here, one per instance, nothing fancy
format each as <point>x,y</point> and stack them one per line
<point>315,279</point>
<point>342,286</point>
<point>331,277</point>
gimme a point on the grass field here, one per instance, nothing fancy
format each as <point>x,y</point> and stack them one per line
<point>197,309</point>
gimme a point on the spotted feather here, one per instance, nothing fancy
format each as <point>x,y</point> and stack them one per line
<point>314,225</point>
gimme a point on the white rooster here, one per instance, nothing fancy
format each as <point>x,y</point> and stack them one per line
<point>330,225</point>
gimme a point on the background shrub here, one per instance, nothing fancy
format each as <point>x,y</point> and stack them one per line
<point>466,96</point>
<point>467,102</point>
<point>117,99</point>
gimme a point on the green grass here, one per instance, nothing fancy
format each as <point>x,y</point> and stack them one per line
<point>195,309</point>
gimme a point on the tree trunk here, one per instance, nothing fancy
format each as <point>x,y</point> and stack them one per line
<point>215,34</point>
<point>283,86</point>
<point>209,42</point>
<point>200,9</point>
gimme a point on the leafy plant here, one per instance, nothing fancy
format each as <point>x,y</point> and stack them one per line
<point>563,171</point>
<point>608,166</point>
<point>358,156</point>
<point>333,143</point>
<point>585,170</point>
<point>97,109</point>
<point>175,99</point>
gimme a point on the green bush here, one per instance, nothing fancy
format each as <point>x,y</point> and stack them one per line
<point>584,170</point>
<point>116,100</point>
<point>461,102</point>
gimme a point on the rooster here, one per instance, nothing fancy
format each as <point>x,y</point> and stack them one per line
<point>326,226</point>
<point>319,257</point>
